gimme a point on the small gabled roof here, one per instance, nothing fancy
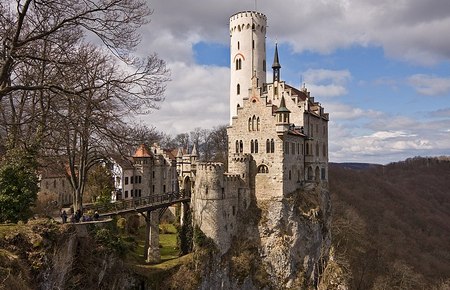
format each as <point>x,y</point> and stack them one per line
<point>282,108</point>
<point>142,151</point>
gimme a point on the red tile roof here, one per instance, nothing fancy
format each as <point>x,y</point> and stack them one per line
<point>142,151</point>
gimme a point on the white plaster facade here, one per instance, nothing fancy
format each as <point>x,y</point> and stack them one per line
<point>247,54</point>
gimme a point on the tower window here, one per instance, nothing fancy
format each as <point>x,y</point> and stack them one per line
<point>272,146</point>
<point>239,45</point>
<point>252,147</point>
<point>237,146</point>
<point>267,146</point>
<point>264,65</point>
<point>238,64</point>
<point>253,44</point>
<point>238,89</point>
<point>241,146</point>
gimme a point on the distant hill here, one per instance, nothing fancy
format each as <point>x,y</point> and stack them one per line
<point>354,165</point>
<point>391,224</point>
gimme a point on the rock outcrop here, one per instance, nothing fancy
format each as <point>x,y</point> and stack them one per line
<point>281,244</point>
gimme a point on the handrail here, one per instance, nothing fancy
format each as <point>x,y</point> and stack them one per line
<point>141,203</point>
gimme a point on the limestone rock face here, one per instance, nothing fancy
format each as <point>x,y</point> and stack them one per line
<point>281,244</point>
<point>295,238</point>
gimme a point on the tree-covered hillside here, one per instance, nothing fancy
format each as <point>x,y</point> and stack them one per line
<point>391,224</point>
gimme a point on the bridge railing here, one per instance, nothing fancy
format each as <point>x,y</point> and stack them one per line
<point>138,202</point>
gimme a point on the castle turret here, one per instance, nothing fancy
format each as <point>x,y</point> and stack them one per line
<point>248,55</point>
<point>282,117</point>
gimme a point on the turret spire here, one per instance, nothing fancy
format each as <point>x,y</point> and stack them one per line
<point>276,65</point>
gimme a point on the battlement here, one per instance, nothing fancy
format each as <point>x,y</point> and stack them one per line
<point>248,20</point>
<point>231,177</point>
<point>247,14</point>
<point>212,167</point>
<point>239,157</point>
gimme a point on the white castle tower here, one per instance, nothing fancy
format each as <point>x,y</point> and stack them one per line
<point>248,55</point>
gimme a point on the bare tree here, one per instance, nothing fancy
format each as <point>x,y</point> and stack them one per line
<point>26,24</point>
<point>88,126</point>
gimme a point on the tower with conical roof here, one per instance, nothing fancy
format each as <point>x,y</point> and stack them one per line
<point>247,55</point>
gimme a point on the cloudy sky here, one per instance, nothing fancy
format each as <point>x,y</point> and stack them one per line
<point>380,68</point>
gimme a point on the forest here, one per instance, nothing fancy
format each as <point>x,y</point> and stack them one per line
<point>391,225</point>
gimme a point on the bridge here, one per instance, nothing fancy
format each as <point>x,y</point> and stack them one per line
<point>141,204</point>
<point>151,208</point>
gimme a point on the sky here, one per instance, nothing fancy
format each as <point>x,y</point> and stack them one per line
<point>380,68</point>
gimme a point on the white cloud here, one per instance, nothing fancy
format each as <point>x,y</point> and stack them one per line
<point>389,139</point>
<point>327,83</point>
<point>411,30</point>
<point>430,85</point>
<point>197,96</point>
<point>346,112</point>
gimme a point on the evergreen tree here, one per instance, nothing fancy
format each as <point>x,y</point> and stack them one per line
<point>18,186</point>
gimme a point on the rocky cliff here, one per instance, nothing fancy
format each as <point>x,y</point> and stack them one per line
<point>44,255</point>
<point>282,244</point>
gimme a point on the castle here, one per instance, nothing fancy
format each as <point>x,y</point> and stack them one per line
<point>277,144</point>
<point>277,139</point>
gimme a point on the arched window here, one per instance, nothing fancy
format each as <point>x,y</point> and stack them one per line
<point>267,146</point>
<point>249,124</point>
<point>256,146</point>
<point>323,174</point>
<point>241,146</point>
<point>237,146</point>
<point>252,146</point>
<point>238,64</point>
<point>257,124</point>
<point>239,45</point>
<point>272,146</point>
<point>253,123</point>
<point>317,174</point>
<point>263,169</point>
<point>310,173</point>
<point>238,89</point>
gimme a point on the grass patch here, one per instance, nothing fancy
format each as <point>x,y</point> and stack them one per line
<point>167,241</point>
<point>168,246</point>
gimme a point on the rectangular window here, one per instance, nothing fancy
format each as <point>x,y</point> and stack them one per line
<point>131,193</point>
<point>164,188</point>
<point>126,180</point>
<point>153,174</point>
<point>153,188</point>
<point>126,193</point>
<point>140,179</point>
<point>132,179</point>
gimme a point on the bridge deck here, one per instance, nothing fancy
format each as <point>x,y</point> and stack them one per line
<point>141,204</point>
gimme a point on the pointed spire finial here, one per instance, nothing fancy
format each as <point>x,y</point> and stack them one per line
<point>276,65</point>
<point>194,151</point>
<point>276,62</point>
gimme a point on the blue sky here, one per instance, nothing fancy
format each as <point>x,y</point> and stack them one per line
<point>380,68</point>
